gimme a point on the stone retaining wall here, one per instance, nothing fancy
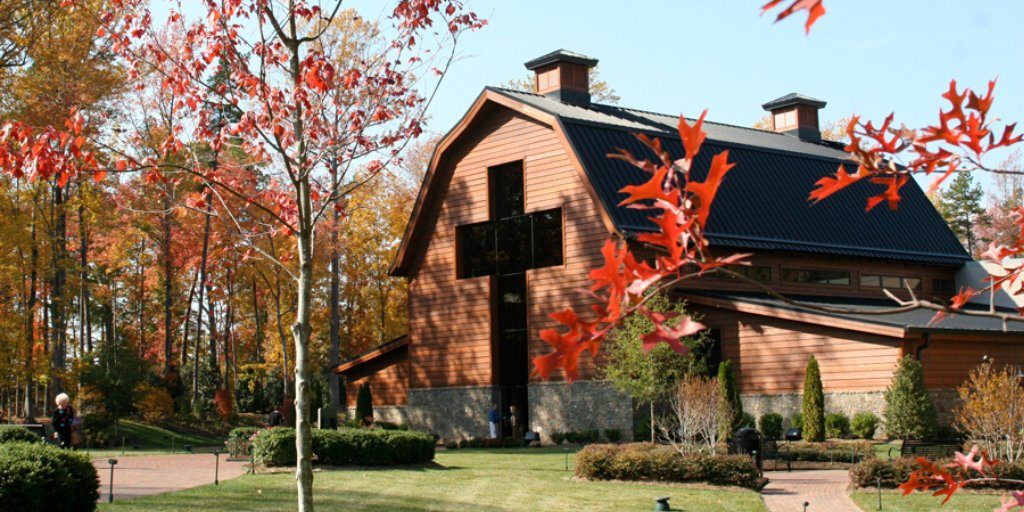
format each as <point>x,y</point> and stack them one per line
<point>585,405</point>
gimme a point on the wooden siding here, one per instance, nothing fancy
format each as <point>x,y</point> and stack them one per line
<point>389,384</point>
<point>769,355</point>
<point>947,361</point>
<point>449,318</point>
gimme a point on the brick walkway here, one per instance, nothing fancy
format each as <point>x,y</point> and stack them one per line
<point>154,474</point>
<point>824,490</point>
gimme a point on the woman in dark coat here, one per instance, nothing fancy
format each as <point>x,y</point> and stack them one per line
<point>62,420</point>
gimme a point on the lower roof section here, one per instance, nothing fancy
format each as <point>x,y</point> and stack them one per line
<point>876,316</point>
<point>352,364</point>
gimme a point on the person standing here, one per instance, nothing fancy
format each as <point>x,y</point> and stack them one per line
<point>494,420</point>
<point>63,418</point>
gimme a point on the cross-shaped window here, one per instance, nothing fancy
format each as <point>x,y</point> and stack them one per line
<point>512,241</point>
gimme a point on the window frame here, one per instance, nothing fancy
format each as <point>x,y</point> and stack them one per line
<point>805,271</point>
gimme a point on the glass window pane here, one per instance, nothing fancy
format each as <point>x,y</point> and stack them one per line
<point>870,280</point>
<point>829,277</point>
<point>913,282</point>
<point>513,244</point>
<point>547,238</point>
<point>891,282</point>
<point>506,182</point>
<point>476,247</point>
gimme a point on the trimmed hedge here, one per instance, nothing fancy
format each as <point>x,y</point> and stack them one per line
<point>38,476</point>
<point>238,443</point>
<point>829,451</point>
<point>16,434</point>
<point>652,462</point>
<point>346,446</point>
<point>897,471</point>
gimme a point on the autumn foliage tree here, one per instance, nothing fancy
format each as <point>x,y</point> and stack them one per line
<point>318,129</point>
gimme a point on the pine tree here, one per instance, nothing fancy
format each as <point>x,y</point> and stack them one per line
<point>364,403</point>
<point>960,204</point>
<point>730,409</point>
<point>909,410</point>
<point>813,403</point>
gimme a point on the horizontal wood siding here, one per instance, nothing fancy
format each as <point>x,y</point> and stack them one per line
<point>947,362</point>
<point>388,385</point>
<point>769,355</point>
<point>449,318</point>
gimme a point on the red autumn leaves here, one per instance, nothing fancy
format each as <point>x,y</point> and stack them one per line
<point>680,207</point>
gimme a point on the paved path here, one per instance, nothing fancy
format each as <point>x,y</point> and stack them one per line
<point>154,474</point>
<point>825,490</point>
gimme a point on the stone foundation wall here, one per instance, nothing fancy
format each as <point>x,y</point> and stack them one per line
<point>390,413</point>
<point>452,413</point>
<point>849,403</point>
<point>558,407</point>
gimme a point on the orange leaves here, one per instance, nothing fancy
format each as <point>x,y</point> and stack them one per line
<point>948,479</point>
<point>705,191</point>
<point>623,284</point>
<point>692,136</point>
<point>815,9</point>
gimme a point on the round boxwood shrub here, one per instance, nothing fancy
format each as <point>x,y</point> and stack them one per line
<point>771,426</point>
<point>837,425</point>
<point>15,434</point>
<point>864,425</point>
<point>652,462</point>
<point>38,476</point>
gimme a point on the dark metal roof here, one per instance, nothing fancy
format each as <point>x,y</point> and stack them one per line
<point>916,320</point>
<point>793,98</point>
<point>561,56</point>
<point>762,204</point>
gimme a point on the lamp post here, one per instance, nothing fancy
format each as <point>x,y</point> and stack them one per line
<point>216,467</point>
<point>110,493</point>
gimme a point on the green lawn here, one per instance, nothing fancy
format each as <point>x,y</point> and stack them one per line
<point>146,439</point>
<point>481,480</point>
<point>919,502</point>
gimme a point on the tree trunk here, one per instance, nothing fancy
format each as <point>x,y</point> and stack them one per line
<point>183,352</point>
<point>165,256</point>
<point>652,422</point>
<point>58,331</point>
<point>84,315</point>
<point>301,333</point>
<point>335,326</point>
<point>199,313</point>
<point>30,313</point>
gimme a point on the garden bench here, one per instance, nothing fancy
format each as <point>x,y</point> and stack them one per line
<point>770,451</point>
<point>932,449</point>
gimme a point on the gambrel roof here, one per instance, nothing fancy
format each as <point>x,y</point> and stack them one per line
<point>762,203</point>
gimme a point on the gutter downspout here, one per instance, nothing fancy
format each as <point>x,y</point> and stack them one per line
<point>927,343</point>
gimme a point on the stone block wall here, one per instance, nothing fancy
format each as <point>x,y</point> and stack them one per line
<point>390,413</point>
<point>452,413</point>
<point>585,405</point>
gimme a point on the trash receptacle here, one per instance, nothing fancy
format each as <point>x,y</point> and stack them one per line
<point>747,441</point>
<point>794,434</point>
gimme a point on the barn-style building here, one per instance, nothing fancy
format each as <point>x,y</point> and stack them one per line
<point>520,197</point>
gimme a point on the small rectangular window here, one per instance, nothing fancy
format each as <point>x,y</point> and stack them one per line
<point>912,282</point>
<point>870,281</point>
<point>760,273</point>
<point>943,286</point>
<point>891,282</point>
<point>824,277</point>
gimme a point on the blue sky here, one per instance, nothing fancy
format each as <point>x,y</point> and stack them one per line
<point>869,57</point>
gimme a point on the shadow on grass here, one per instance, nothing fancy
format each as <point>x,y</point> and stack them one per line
<point>275,499</point>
